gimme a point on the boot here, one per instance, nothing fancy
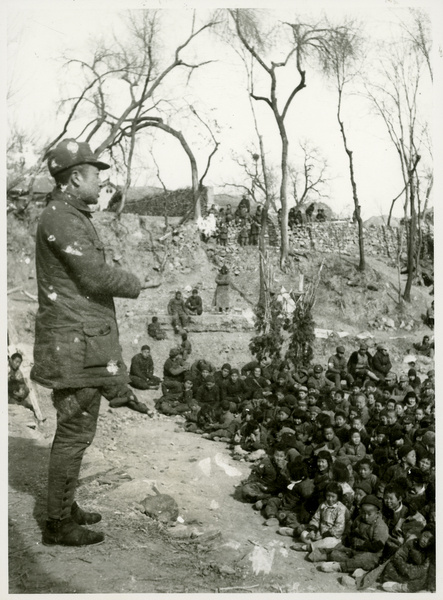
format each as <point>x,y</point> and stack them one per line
<point>66,532</point>
<point>82,517</point>
<point>137,406</point>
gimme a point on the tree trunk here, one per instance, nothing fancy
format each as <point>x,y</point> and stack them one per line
<point>284,246</point>
<point>262,251</point>
<point>362,263</point>
<point>411,241</point>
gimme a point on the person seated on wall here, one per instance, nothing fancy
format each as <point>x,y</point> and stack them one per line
<point>194,303</point>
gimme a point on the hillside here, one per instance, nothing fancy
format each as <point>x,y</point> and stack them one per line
<point>221,546</point>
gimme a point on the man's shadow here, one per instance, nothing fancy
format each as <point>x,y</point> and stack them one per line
<point>28,472</point>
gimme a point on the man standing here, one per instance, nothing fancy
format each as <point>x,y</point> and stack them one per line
<point>77,350</point>
<point>178,312</point>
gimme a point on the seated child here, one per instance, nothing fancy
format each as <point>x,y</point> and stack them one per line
<point>353,449</point>
<point>412,568</point>
<point>268,477</point>
<point>327,526</point>
<point>363,547</point>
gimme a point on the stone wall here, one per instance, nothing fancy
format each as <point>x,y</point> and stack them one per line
<point>342,237</point>
<point>176,203</point>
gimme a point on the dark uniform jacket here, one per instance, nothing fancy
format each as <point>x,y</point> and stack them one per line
<point>142,367</point>
<point>76,334</point>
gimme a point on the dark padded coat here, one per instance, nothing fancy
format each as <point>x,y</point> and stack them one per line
<point>76,333</point>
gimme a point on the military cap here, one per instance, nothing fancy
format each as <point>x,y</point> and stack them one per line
<point>363,346</point>
<point>173,352</point>
<point>70,153</point>
<point>146,347</point>
<point>340,350</point>
<point>318,369</point>
<point>285,409</point>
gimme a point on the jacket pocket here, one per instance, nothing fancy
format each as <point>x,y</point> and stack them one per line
<point>100,345</point>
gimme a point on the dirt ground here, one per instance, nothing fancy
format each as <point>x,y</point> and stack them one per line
<point>221,544</point>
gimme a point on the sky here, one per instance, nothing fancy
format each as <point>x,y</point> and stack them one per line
<point>41,34</point>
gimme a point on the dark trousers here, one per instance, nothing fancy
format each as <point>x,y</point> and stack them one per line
<point>77,414</point>
<point>139,383</point>
<point>337,378</point>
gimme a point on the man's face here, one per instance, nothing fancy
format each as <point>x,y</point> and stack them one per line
<point>188,385</point>
<point>146,353</point>
<point>210,385</point>
<point>378,406</point>
<point>88,186</point>
<point>302,404</point>
<point>411,401</point>
<point>205,373</point>
<point>301,396</point>
<point>178,296</point>
<point>399,410</point>
<point>257,372</point>
<point>234,377</point>
<point>225,373</point>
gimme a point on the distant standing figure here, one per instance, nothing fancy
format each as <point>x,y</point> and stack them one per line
<point>178,312</point>
<point>222,292</point>
<point>309,212</point>
<point>320,216</point>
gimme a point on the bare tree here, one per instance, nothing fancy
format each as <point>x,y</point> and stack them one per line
<point>308,180</point>
<point>140,65</point>
<point>304,40</point>
<point>397,99</point>
<point>342,62</point>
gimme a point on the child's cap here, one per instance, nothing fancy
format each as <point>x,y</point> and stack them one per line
<point>365,486</point>
<point>370,499</point>
<point>404,450</point>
